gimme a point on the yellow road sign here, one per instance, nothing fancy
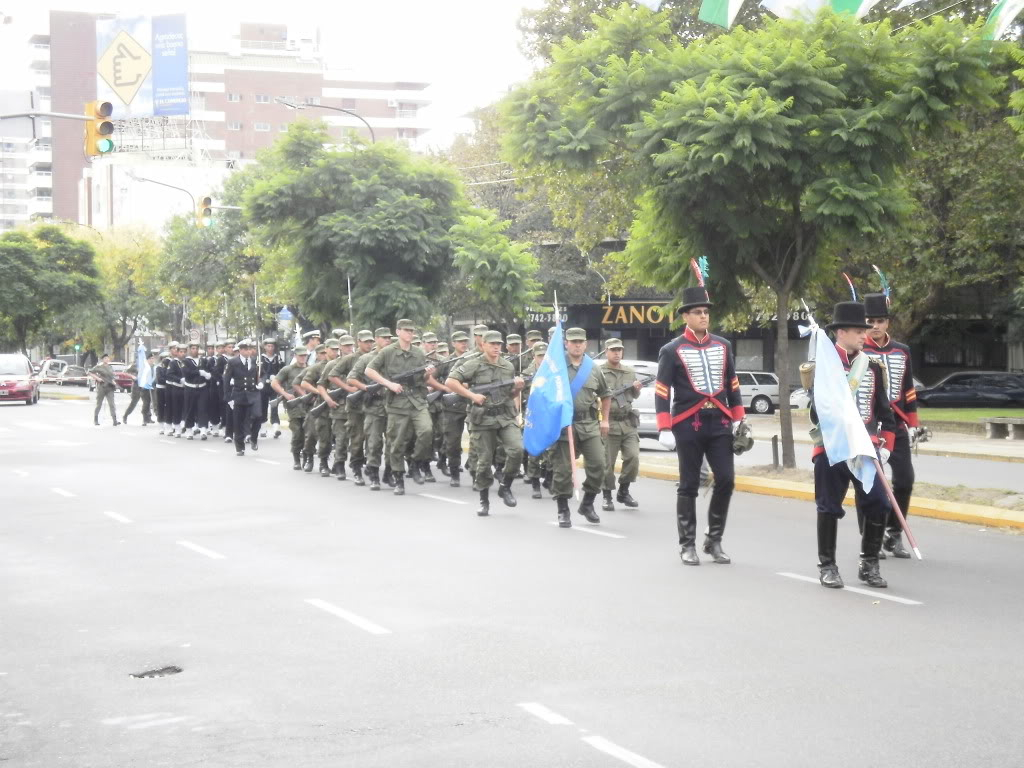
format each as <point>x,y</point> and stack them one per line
<point>124,66</point>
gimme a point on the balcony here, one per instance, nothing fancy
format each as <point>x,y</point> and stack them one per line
<point>39,155</point>
<point>40,206</point>
<point>40,180</point>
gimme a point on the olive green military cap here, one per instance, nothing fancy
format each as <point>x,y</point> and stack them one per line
<point>311,334</point>
<point>332,344</point>
<point>540,348</point>
<point>300,351</point>
<point>534,336</point>
<point>551,331</point>
<point>339,332</point>
<point>405,325</point>
<point>492,336</point>
<point>442,346</point>
<point>365,335</point>
<point>613,344</point>
<point>460,336</point>
<point>513,338</point>
<point>479,330</point>
<point>429,337</point>
<point>382,333</point>
<point>346,341</point>
<point>576,334</point>
<point>320,348</point>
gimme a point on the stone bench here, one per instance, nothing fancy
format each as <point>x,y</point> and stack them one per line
<point>1004,428</point>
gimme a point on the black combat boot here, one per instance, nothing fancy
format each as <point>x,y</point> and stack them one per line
<point>608,505</point>
<point>454,482</point>
<point>297,458</point>
<point>586,508</point>
<point>428,476</point>
<point>357,473</point>
<point>893,542</point>
<point>563,512</point>
<point>442,464</point>
<point>537,492</point>
<point>623,496</point>
<point>870,544</point>
<point>547,479</point>
<point>686,525</point>
<point>718,511</point>
<point>308,466</point>
<point>389,477</point>
<point>828,528</point>
<point>505,492</point>
<point>339,470</point>
<point>325,470</point>
<point>399,478</point>
<point>485,504</point>
<point>374,474</point>
<point>454,469</point>
<point>415,473</point>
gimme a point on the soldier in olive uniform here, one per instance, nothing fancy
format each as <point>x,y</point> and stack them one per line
<point>493,415</point>
<point>356,416</point>
<point>622,427</point>
<point>455,416</point>
<point>479,331</point>
<point>286,383</point>
<point>318,427</point>
<point>406,404</point>
<point>588,432</point>
<point>335,376</point>
<point>375,418</point>
<point>436,410</point>
<point>537,467</point>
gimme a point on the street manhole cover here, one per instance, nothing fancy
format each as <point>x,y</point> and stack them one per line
<point>162,672</point>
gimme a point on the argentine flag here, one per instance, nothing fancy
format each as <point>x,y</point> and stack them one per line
<point>549,408</point>
<point>842,429</point>
<point>144,377</point>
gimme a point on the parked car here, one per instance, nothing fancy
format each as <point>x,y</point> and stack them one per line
<point>73,375</point>
<point>801,400</point>
<point>51,370</point>
<point>975,389</point>
<point>17,380</point>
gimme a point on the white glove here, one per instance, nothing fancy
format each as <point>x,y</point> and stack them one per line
<point>667,439</point>
<point>260,385</point>
<point>206,375</point>
<point>883,455</point>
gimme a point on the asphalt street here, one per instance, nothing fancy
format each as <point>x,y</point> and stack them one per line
<point>320,624</point>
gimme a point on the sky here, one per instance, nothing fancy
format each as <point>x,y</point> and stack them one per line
<point>467,49</point>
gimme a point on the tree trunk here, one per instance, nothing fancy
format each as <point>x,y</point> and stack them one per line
<point>782,371</point>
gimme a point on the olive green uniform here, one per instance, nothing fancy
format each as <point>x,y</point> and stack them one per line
<point>622,423</point>
<point>289,377</point>
<point>356,419</point>
<point>407,412</point>
<point>587,436</point>
<point>318,428</point>
<point>494,422</point>
<point>105,389</point>
<point>455,421</point>
<point>338,417</point>
<point>536,466</point>
<point>375,418</point>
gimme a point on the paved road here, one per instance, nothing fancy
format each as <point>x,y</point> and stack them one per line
<point>319,624</point>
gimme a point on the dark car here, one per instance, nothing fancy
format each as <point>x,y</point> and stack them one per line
<point>18,380</point>
<point>975,389</point>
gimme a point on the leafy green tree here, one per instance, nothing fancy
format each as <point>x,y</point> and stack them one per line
<point>43,272</point>
<point>376,214</point>
<point>1016,120</point>
<point>757,148</point>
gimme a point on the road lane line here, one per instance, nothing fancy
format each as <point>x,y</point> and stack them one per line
<point>202,550</point>
<point>268,461</point>
<point>877,594</point>
<point>545,714</point>
<point>154,723</point>
<point>20,472</point>
<point>623,754</point>
<point>62,492</point>
<point>211,450</point>
<point>351,618</point>
<point>441,498</point>
<point>581,529</point>
<point>115,516</point>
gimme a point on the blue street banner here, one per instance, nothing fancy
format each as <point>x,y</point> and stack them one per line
<point>549,409</point>
<point>144,377</point>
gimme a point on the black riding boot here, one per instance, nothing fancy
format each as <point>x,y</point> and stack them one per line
<point>828,529</point>
<point>297,457</point>
<point>717,513</point>
<point>608,505</point>
<point>485,504</point>
<point>374,474</point>
<point>563,512</point>
<point>505,492</point>
<point>586,508</point>
<point>686,524</point>
<point>537,492</point>
<point>399,478</point>
<point>623,496</point>
<point>870,544</point>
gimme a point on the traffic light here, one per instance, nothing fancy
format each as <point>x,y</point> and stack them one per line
<point>99,128</point>
<point>204,212</point>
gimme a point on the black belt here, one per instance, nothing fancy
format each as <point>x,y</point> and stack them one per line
<point>623,416</point>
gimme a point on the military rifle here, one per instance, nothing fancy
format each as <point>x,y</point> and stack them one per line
<point>452,398</point>
<point>618,395</point>
<point>355,398</point>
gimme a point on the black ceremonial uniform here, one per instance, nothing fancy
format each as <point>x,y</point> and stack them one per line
<point>175,392</point>
<point>194,381</point>
<point>160,388</point>
<point>242,378</point>
<point>271,365</point>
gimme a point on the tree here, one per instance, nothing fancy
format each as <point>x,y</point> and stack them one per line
<point>758,148</point>
<point>1016,120</point>
<point>499,272</point>
<point>376,214</point>
<point>43,272</point>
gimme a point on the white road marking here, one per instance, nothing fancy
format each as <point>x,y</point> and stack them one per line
<point>341,613</point>
<point>268,461</point>
<point>582,529</point>
<point>211,450</point>
<point>154,723</point>
<point>62,492</point>
<point>134,718</point>
<point>442,498</point>
<point>875,593</point>
<point>545,714</point>
<point>20,472</point>
<point>623,754</point>
<point>202,550</point>
<point>115,516</point>
<point>36,427</point>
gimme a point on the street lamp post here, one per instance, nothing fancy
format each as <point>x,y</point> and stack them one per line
<point>293,105</point>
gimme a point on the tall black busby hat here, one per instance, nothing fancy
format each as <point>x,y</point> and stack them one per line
<point>876,305</point>
<point>848,314</point>
<point>695,296</point>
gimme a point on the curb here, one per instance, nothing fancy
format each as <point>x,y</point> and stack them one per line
<point>61,396</point>
<point>924,451</point>
<point>976,514</point>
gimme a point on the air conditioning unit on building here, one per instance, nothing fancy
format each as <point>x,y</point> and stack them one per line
<point>393,103</point>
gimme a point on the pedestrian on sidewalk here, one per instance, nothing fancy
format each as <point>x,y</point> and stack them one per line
<point>103,375</point>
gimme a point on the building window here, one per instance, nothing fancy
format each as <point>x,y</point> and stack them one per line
<point>234,125</point>
<point>313,100</point>
<point>283,128</point>
<point>262,98</point>
<point>234,98</point>
<point>261,127</point>
<point>234,154</point>
<point>348,103</point>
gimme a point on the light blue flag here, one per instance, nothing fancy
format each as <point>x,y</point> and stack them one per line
<point>144,377</point>
<point>842,429</point>
<point>549,408</point>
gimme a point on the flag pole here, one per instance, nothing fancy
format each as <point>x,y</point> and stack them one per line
<point>572,442</point>
<point>896,508</point>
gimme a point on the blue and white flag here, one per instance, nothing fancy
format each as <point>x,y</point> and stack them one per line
<point>842,429</point>
<point>549,408</point>
<point>144,377</point>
